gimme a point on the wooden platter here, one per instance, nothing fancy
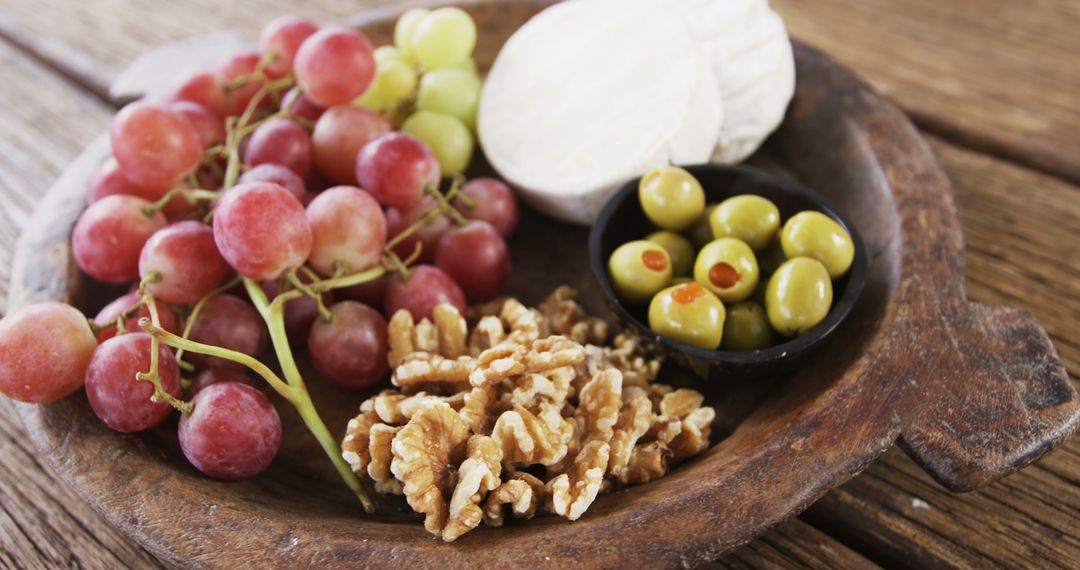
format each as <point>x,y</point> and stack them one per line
<point>973,392</point>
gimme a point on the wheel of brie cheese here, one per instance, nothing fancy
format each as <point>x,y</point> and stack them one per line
<point>591,93</point>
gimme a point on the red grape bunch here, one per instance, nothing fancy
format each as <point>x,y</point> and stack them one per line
<point>263,203</point>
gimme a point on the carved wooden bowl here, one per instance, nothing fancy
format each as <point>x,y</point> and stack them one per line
<point>974,392</point>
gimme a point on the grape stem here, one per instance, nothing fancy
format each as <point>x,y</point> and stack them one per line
<point>300,286</point>
<point>192,194</point>
<point>153,376</point>
<point>273,313</point>
<point>194,315</point>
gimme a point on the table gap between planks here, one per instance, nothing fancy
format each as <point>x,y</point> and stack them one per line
<point>1008,146</point>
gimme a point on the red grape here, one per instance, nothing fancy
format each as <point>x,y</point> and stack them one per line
<point>427,235</point>
<point>299,313</point>
<point>44,352</point>
<point>279,41</point>
<point>298,104</point>
<point>348,228</point>
<point>109,236</point>
<point>233,432</point>
<point>229,322</point>
<point>239,92</point>
<point>121,401</point>
<point>110,180</point>
<point>493,203</point>
<point>334,66</point>
<point>350,348</point>
<point>281,176</point>
<point>107,316</point>
<point>370,293</point>
<point>426,287</point>
<point>476,257</point>
<point>209,126</point>
<point>205,88</point>
<point>280,141</point>
<point>155,145</point>
<point>396,168</point>
<point>218,376</point>
<point>185,256</point>
<point>261,230</point>
<point>339,135</point>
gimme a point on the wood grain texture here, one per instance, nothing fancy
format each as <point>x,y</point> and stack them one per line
<point>1001,78</point>
<point>1020,228</point>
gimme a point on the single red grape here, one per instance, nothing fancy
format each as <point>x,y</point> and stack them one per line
<point>492,202</point>
<point>396,168</point>
<point>209,126</point>
<point>155,145</point>
<point>240,84</point>
<point>299,313</point>
<point>281,176</point>
<point>339,135</point>
<point>426,287</point>
<point>207,88</point>
<point>121,401</point>
<point>350,348</point>
<point>44,351</point>
<point>110,180</point>
<point>427,235</point>
<point>280,141</point>
<point>261,230</point>
<point>233,432</point>
<point>298,104</point>
<point>370,293</point>
<point>348,229</point>
<point>109,236</point>
<point>229,322</point>
<point>334,66</point>
<point>107,316</point>
<point>477,258</point>
<point>218,376</point>
<point>187,260</point>
<point>279,41</point>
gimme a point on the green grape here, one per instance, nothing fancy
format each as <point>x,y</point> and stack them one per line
<point>449,139</point>
<point>468,65</point>
<point>395,80</point>
<point>373,100</point>
<point>405,28</point>
<point>443,38</point>
<point>452,91</point>
<point>386,53</point>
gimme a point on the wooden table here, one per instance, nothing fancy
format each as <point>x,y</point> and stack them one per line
<point>994,85</point>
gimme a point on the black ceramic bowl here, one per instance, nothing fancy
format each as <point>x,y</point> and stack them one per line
<point>622,220</point>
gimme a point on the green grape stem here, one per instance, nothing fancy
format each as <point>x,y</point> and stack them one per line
<point>153,375</point>
<point>194,316</point>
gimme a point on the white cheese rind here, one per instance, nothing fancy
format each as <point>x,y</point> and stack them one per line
<point>751,52</point>
<point>585,96</point>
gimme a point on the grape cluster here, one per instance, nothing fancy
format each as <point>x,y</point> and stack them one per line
<point>271,202</point>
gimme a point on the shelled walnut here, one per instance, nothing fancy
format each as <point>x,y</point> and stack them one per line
<point>518,412</point>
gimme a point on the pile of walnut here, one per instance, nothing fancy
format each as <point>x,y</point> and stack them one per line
<point>478,415</point>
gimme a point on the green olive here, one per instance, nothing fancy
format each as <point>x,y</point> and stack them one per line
<point>727,267</point>
<point>671,198</point>
<point>747,327</point>
<point>813,234</point>
<point>750,218</point>
<point>678,248</point>
<point>798,296</point>
<point>639,269</point>
<point>700,233</point>
<point>688,313</point>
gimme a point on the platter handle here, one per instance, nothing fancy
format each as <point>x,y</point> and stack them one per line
<point>997,398</point>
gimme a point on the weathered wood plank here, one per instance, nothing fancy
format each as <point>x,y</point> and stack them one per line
<point>46,123</point>
<point>794,544</point>
<point>1021,230</point>
<point>1000,77</point>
